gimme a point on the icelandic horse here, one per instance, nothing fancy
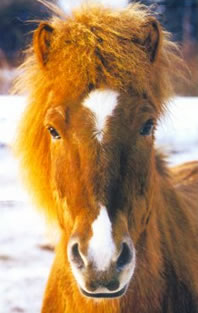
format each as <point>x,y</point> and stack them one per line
<point>98,81</point>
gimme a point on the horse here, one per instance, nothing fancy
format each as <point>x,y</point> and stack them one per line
<point>98,81</point>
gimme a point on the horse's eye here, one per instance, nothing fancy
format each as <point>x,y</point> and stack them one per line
<point>54,133</point>
<point>147,128</point>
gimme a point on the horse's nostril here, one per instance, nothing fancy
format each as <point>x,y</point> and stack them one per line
<point>93,285</point>
<point>124,257</point>
<point>113,285</point>
<point>76,257</point>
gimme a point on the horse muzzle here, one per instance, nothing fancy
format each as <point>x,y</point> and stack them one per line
<point>111,282</point>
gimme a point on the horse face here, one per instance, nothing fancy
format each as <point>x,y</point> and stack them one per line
<point>101,150</point>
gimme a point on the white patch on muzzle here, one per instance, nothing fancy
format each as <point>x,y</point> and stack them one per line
<point>101,249</point>
<point>102,104</point>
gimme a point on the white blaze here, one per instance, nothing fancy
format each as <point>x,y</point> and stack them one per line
<point>101,103</point>
<point>101,246</point>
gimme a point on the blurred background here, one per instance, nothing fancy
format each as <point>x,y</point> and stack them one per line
<point>25,253</point>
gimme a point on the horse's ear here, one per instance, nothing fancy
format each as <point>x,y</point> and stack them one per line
<point>41,42</point>
<point>152,37</point>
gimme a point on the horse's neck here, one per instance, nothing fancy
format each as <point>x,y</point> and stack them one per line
<point>171,231</point>
<point>159,251</point>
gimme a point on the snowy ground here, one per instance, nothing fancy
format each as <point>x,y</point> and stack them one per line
<point>24,266</point>
<point>177,133</point>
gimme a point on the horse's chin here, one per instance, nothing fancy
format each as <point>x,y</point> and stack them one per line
<point>106,295</point>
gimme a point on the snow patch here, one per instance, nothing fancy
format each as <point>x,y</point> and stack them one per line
<point>11,108</point>
<point>177,133</point>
